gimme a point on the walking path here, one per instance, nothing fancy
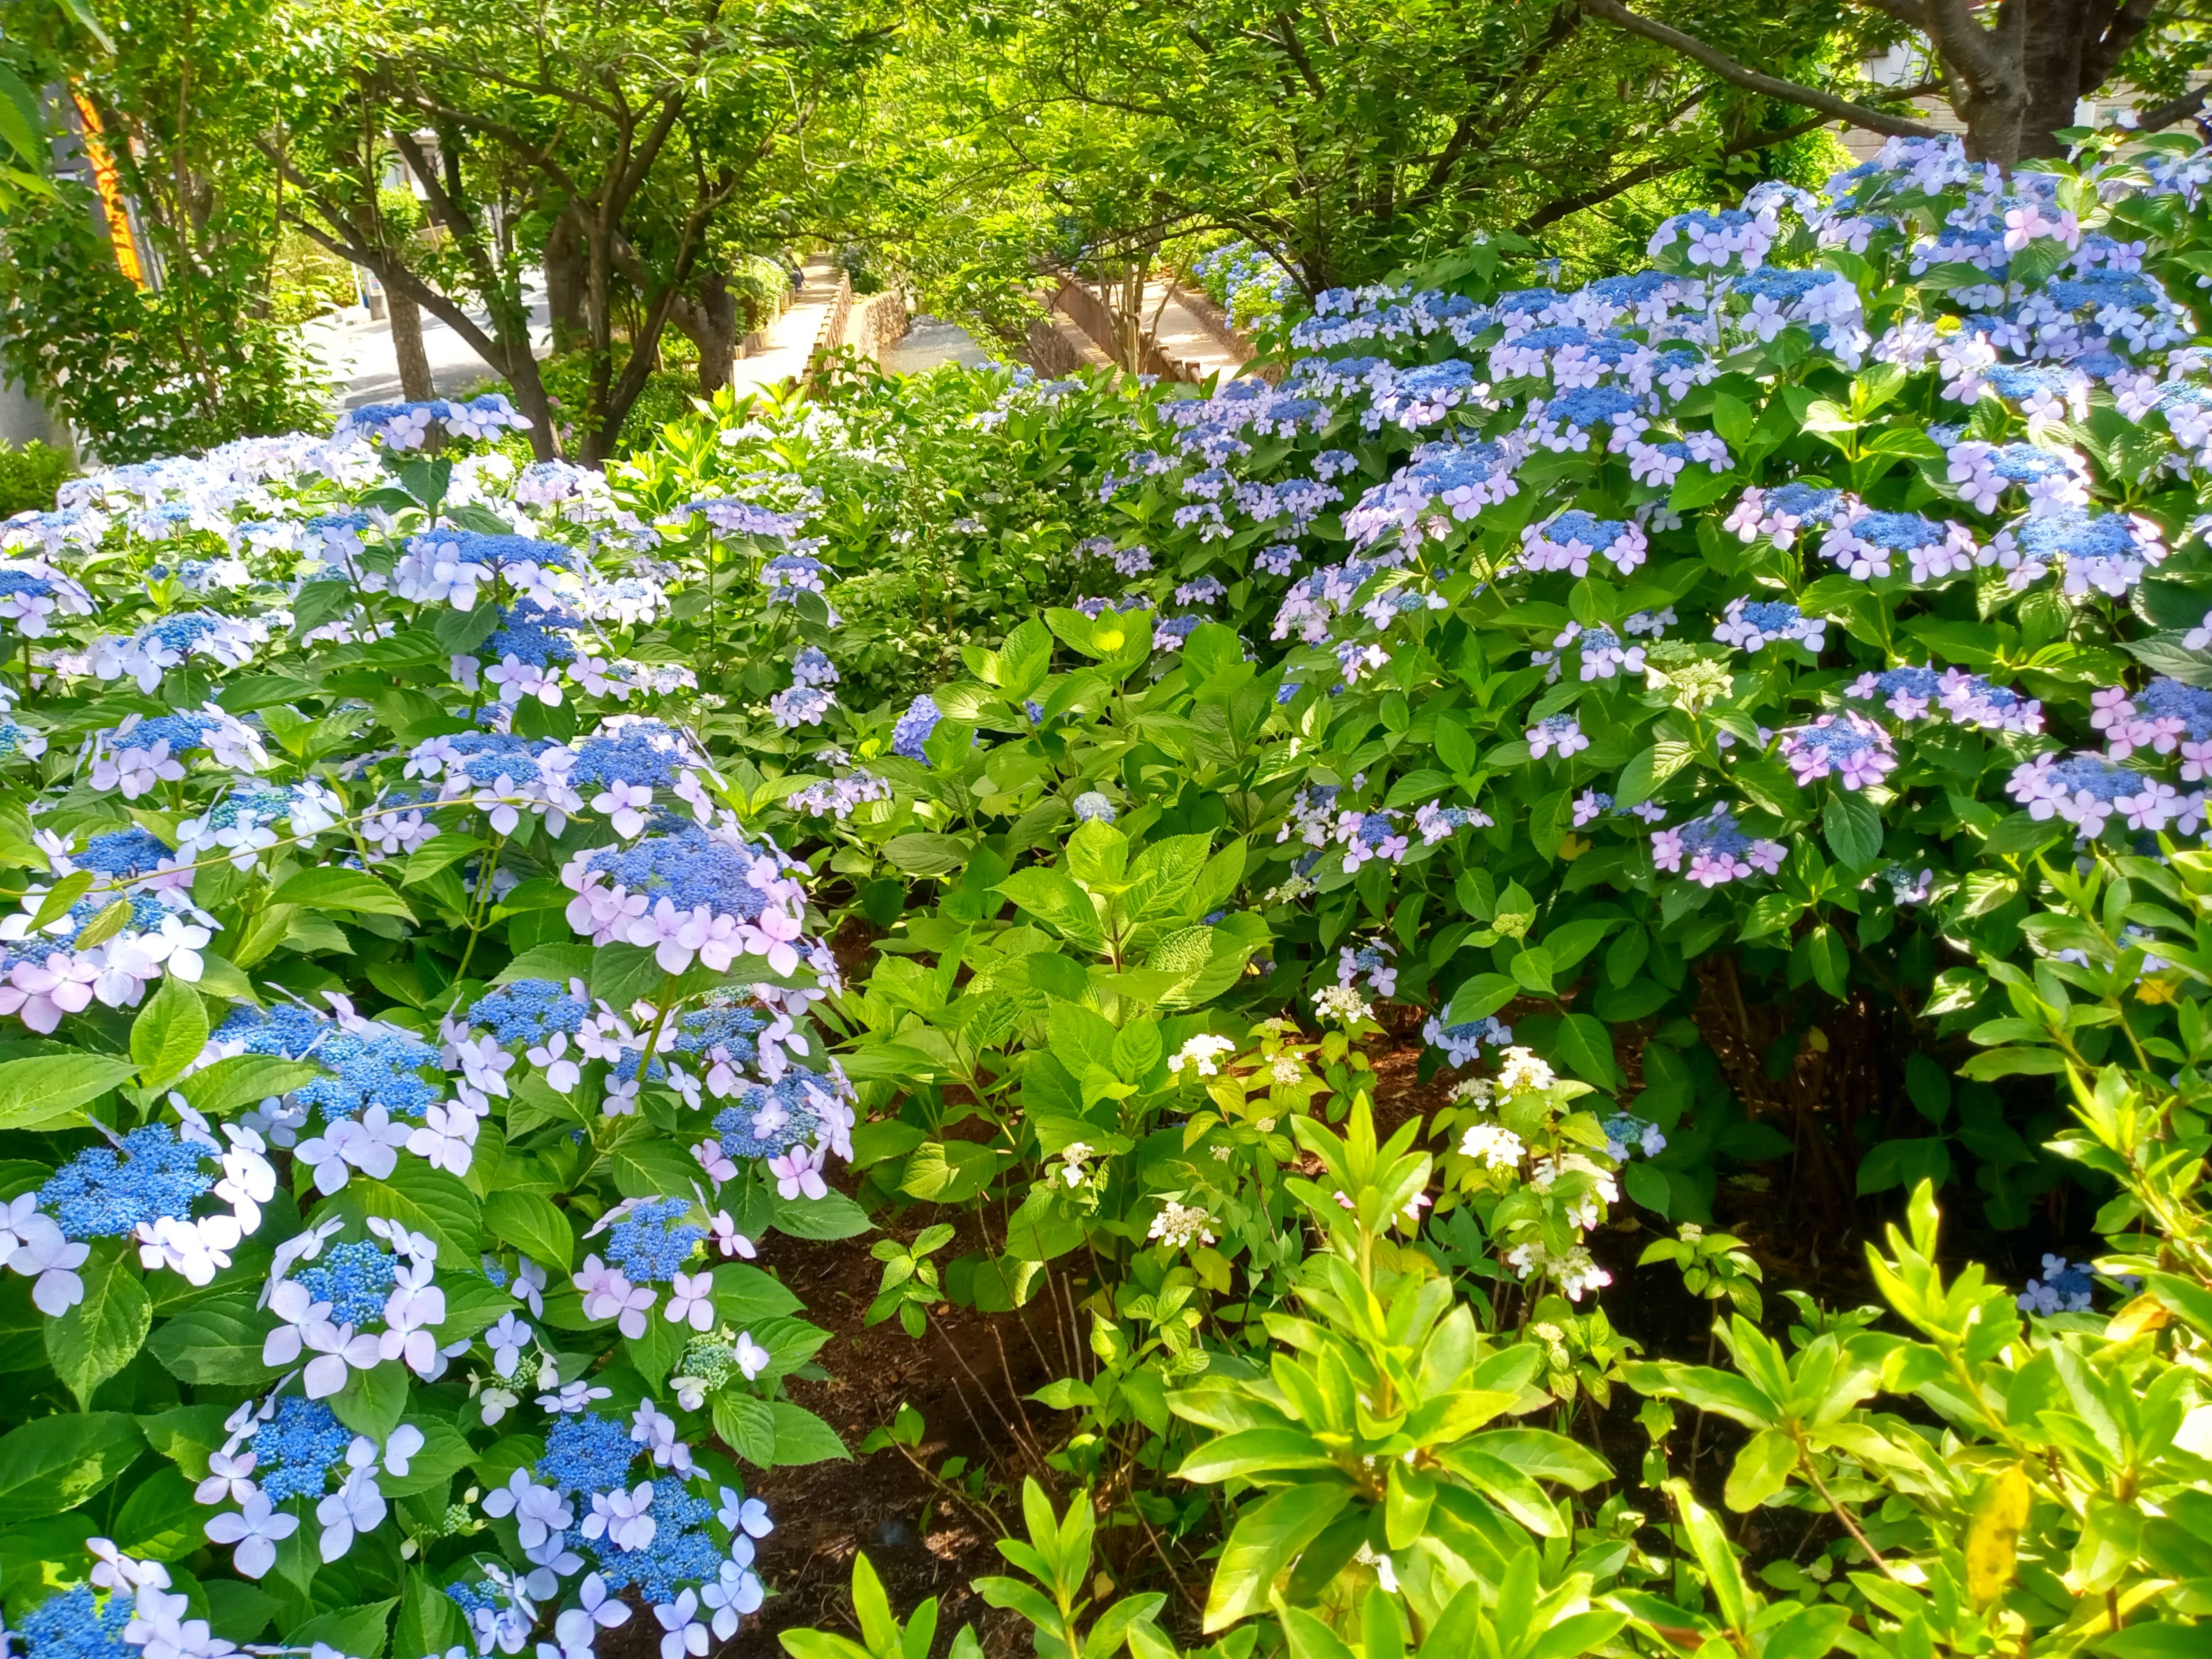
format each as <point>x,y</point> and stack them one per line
<point>1183,337</point>
<point>358,356</point>
<point>932,341</point>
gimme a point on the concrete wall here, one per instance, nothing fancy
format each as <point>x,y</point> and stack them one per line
<point>24,419</point>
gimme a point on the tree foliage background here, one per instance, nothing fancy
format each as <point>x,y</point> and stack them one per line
<point>636,158</point>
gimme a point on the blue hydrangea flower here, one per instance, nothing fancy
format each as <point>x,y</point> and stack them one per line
<point>642,752</point>
<point>104,1193</point>
<point>71,1625</point>
<point>376,1067</point>
<point>296,1451</point>
<point>530,633</point>
<point>914,728</point>
<point>587,1452</point>
<point>689,867</point>
<point>682,1552</point>
<point>651,1243</point>
<point>530,1010</point>
<point>355,1279</point>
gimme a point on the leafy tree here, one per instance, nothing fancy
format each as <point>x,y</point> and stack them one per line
<point>609,141</point>
<point>192,357</point>
<point>1348,139</point>
<point>2013,71</point>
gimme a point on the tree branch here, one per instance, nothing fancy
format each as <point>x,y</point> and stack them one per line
<point>2099,57</point>
<point>1564,19</point>
<point>2162,116</point>
<point>1957,36</point>
<point>1655,169</point>
<point>1835,108</point>
<point>345,240</point>
<point>1291,44</point>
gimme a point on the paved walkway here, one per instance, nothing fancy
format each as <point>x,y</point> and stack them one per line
<point>358,356</point>
<point>1183,336</point>
<point>791,337</point>
<point>930,341</point>
<point>361,359</point>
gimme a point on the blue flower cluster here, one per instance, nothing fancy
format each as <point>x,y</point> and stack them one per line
<point>377,1068</point>
<point>102,1194</point>
<point>180,631</point>
<point>487,756</point>
<point>914,728</point>
<point>71,1625</point>
<point>182,733</point>
<point>689,868</point>
<point>728,1026</point>
<point>530,633</point>
<point>480,547</point>
<point>2190,706</point>
<point>2065,1287</point>
<point>529,1011</point>
<point>123,853</point>
<point>355,1279</point>
<point>295,1451</point>
<point>475,1598</point>
<point>769,1119</point>
<point>651,1243</point>
<point>682,1551</point>
<point>587,1452</point>
<point>627,754</point>
<point>1463,1042</point>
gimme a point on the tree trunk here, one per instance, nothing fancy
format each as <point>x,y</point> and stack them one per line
<point>529,389</point>
<point>566,273</point>
<point>708,317</point>
<point>414,383</point>
<point>2057,33</point>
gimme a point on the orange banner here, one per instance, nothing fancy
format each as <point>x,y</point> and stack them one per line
<point>110,187</point>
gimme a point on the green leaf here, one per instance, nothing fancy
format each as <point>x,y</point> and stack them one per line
<point>230,1083</point>
<point>1724,1572</point>
<point>56,1463</point>
<point>333,887</point>
<point>429,1201</point>
<point>1268,1536</point>
<point>169,1032</point>
<point>373,1401</point>
<point>429,1621</point>
<point>645,1166</point>
<point>20,126</point>
<point>744,1294</point>
<point>161,1520</point>
<point>45,1090</point>
<point>102,1333</point>
<point>215,1342</point>
<point>803,1437</point>
<point>1853,829</point>
<point>747,1426</point>
<point>1904,1163</point>
<point>535,1225</point>
<point>1585,1047</point>
<point>2013,1062</point>
<point>185,1435</point>
<point>441,853</point>
<point>922,853</point>
<point>357,1632</point>
<point>558,963</point>
<point>832,1216</point>
<point>1762,1469</point>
